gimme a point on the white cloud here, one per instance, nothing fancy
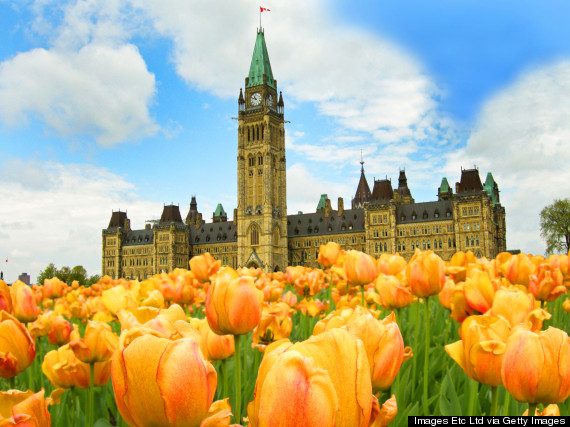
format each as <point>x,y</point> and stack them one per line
<point>364,82</point>
<point>97,91</point>
<point>523,137</point>
<point>304,190</point>
<point>62,222</point>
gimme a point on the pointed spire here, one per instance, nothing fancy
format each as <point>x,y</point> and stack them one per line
<point>361,162</point>
<point>260,68</point>
<point>363,190</point>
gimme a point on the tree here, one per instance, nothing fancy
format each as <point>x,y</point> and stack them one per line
<point>67,275</point>
<point>555,226</point>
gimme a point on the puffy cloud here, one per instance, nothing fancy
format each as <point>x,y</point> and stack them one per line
<point>62,222</point>
<point>97,91</point>
<point>522,136</point>
<point>362,81</point>
<point>304,189</point>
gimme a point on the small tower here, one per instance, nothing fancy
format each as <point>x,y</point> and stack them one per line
<point>220,214</point>
<point>363,190</point>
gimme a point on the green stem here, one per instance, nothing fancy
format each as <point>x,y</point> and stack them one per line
<point>506,403</point>
<point>532,409</point>
<point>237,359</point>
<point>473,388</point>
<point>329,294</point>
<point>13,383</point>
<point>363,300</point>
<point>426,361</point>
<point>90,396</point>
<point>494,400</point>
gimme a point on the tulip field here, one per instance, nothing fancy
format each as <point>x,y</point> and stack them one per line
<point>360,342</point>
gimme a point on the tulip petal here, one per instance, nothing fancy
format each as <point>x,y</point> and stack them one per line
<point>522,365</point>
<point>141,359</point>
<point>457,353</point>
<point>183,405</point>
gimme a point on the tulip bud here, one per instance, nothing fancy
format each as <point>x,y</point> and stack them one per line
<point>328,254</point>
<point>426,274</point>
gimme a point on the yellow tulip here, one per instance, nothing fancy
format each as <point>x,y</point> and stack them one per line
<point>161,382</point>
<point>233,304</point>
<point>481,349</point>
<point>425,273</point>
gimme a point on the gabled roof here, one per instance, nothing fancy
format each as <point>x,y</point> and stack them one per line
<point>260,64</point>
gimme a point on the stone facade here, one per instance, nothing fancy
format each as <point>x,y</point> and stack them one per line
<point>261,234</point>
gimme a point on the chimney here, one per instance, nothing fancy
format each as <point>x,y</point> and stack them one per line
<point>147,226</point>
<point>198,220</point>
<point>127,224</point>
<point>340,206</point>
<point>328,207</point>
<point>235,216</point>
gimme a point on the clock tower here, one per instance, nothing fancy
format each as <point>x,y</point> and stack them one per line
<point>262,195</point>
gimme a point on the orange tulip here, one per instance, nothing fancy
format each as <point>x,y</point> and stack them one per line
<point>65,370</point>
<point>309,284</point>
<point>60,331</point>
<point>425,273</point>
<point>517,307</point>
<point>41,326</point>
<point>536,366</point>
<point>360,268</point>
<point>97,345</point>
<point>481,349</point>
<point>339,318</point>
<point>518,268</point>
<point>384,347</point>
<point>233,303</point>
<point>53,288</point>
<point>446,293</point>
<point>566,306</point>
<point>391,265</point>
<point>162,382</point>
<point>24,302</point>
<point>295,381</point>
<point>219,415</point>
<point>275,324</point>
<point>387,413</point>
<point>479,291</point>
<point>204,267</point>
<point>460,308</point>
<point>17,347</point>
<point>5,297</point>
<point>549,411</point>
<point>337,352</point>
<point>217,347</point>
<point>547,285</point>
<point>328,254</point>
<point>392,293</point>
<point>25,408</point>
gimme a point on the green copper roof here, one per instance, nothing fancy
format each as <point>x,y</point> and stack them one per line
<point>322,202</point>
<point>489,187</point>
<point>444,187</point>
<point>220,211</point>
<point>260,64</point>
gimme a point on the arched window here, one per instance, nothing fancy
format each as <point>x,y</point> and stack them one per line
<point>257,129</point>
<point>477,241</point>
<point>440,245</point>
<point>448,243</point>
<point>254,236</point>
<point>472,241</point>
<point>466,240</point>
<point>424,245</point>
<point>248,134</point>
<point>385,247</point>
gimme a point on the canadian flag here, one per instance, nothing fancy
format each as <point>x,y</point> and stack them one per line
<point>264,9</point>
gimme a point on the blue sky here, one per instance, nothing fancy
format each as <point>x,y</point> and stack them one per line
<point>128,104</point>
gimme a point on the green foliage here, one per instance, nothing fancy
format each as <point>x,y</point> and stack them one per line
<point>67,275</point>
<point>555,226</point>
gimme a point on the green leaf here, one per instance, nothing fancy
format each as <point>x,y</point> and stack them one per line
<point>102,422</point>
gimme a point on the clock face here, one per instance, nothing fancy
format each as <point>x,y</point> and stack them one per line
<point>270,100</point>
<point>255,99</point>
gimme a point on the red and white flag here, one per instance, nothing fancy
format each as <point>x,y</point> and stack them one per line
<point>264,9</point>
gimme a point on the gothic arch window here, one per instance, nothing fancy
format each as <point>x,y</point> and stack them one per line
<point>257,130</point>
<point>248,134</point>
<point>477,241</point>
<point>254,236</point>
<point>262,129</point>
<point>466,240</point>
<point>448,243</point>
<point>385,248</point>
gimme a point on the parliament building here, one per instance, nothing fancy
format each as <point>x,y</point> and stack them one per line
<point>262,234</point>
